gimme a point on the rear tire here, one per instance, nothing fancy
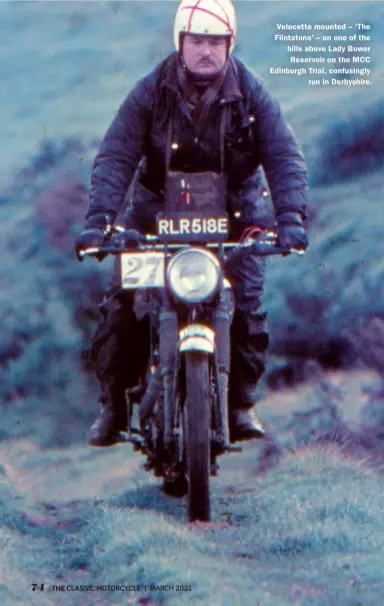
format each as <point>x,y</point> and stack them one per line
<point>198,436</point>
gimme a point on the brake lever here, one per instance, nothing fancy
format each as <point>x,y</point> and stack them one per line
<point>117,243</point>
<point>88,251</point>
<point>268,247</point>
<point>128,237</point>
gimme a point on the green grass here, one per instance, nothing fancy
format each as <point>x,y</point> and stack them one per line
<point>309,531</point>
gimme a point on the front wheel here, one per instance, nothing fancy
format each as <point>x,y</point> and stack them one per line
<point>197,411</point>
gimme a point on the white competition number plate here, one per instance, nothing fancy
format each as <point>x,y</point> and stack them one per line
<point>142,270</point>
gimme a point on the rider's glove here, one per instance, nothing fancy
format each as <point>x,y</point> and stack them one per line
<point>98,227</point>
<point>291,231</point>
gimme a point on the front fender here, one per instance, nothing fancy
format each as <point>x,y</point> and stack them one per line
<point>197,337</point>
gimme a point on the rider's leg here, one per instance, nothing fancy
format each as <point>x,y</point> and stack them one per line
<point>249,342</point>
<point>120,351</point>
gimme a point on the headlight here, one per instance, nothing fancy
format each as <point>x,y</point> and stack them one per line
<point>193,275</point>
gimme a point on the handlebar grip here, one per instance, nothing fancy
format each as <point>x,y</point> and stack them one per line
<point>265,249</point>
<point>119,242</point>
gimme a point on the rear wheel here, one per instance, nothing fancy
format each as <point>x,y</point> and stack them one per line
<point>197,411</point>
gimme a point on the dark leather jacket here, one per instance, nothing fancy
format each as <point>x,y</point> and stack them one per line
<point>257,137</point>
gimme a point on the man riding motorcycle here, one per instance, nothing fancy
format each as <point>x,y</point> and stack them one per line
<point>199,111</point>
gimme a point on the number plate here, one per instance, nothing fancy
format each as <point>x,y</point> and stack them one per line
<point>192,227</point>
<point>142,270</point>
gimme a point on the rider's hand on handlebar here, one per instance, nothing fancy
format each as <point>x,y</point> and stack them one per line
<point>291,231</point>
<point>90,238</point>
<point>97,229</point>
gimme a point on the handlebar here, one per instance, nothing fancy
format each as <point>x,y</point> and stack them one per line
<point>262,246</point>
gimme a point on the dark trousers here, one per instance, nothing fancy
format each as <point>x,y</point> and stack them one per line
<point>120,347</point>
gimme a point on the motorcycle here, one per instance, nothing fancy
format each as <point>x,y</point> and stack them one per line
<point>182,405</point>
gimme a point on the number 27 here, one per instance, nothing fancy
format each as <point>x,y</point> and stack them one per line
<point>141,270</point>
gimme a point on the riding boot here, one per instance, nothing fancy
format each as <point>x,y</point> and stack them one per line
<point>112,419</point>
<point>249,345</point>
<point>243,422</point>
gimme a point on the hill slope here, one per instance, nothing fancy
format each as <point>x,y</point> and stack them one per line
<point>295,521</point>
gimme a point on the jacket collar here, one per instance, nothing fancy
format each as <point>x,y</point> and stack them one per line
<point>230,90</point>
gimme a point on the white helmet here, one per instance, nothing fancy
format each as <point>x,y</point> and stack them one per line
<point>210,17</point>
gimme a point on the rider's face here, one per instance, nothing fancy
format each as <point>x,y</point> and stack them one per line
<point>204,54</point>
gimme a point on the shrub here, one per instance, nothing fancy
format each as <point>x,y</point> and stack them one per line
<point>60,209</point>
<point>352,146</point>
<point>368,342</point>
<point>49,307</point>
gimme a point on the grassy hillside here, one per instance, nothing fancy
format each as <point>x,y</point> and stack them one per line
<point>297,520</point>
<point>307,532</point>
<point>81,70</point>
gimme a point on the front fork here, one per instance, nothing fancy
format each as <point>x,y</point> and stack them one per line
<point>221,324</point>
<point>216,341</point>
<point>169,336</point>
<point>197,337</point>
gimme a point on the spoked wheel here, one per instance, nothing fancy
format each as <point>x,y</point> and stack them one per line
<point>197,412</point>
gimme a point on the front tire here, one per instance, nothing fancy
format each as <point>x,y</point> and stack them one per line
<point>198,436</point>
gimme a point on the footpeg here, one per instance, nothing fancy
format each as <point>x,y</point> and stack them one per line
<point>230,448</point>
<point>220,448</point>
<point>136,440</point>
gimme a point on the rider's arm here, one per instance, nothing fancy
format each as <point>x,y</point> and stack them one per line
<point>120,152</point>
<point>281,156</point>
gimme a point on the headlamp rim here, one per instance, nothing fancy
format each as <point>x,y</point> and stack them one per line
<point>208,255</point>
